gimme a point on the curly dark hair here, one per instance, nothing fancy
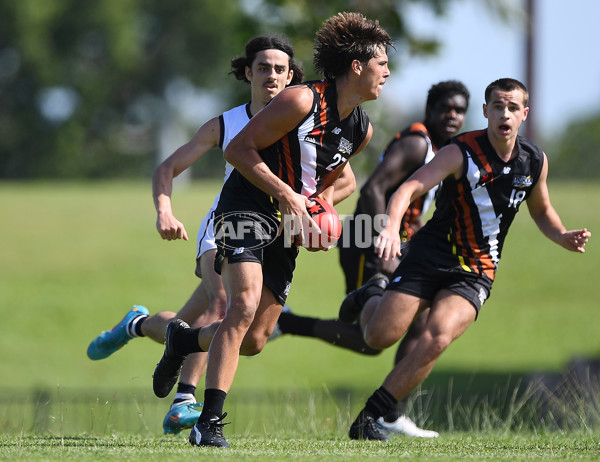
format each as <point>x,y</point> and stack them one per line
<point>506,84</point>
<point>344,38</point>
<point>444,89</point>
<point>266,42</point>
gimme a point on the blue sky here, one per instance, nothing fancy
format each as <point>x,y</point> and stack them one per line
<point>478,47</point>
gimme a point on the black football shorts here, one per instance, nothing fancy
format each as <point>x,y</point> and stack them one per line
<point>248,237</point>
<point>422,278</point>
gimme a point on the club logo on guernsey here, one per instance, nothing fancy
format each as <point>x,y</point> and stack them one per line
<point>345,146</point>
<point>522,181</point>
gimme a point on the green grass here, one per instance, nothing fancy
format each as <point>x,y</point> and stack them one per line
<point>479,447</point>
<point>75,257</point>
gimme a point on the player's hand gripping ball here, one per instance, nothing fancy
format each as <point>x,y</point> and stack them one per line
<point>329,223</point>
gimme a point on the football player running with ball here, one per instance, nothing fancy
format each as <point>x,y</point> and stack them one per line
<point>294,148</point>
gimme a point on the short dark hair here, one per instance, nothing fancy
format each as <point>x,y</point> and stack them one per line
<point>261,43</point>
<point>506,84</point>
<point>446,89</point>
<point>344,38</point>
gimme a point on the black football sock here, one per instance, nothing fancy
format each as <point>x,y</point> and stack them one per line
<point>380,403</point>
<point>343,335</point>
<point>186,388</point>
<point>296,325</point>
<point>399,410</point>
<point>185,341</point>
<point>214,399</point>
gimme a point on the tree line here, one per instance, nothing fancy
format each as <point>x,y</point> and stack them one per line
<point>98,89</point>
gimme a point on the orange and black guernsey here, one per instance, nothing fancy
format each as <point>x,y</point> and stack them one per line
<point>306,157</point>
<point>416,208</point>
<point>473,214</point>
<point>420,205</point>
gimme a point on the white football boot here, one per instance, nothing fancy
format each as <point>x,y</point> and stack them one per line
<point>404,426</point>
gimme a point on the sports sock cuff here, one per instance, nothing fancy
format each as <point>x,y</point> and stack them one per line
<point>134,328</point>
<point>183,398</point>
<point>380,403</point>
<point>367,293</point>
<point>186,388</point>
<point>185,341</point>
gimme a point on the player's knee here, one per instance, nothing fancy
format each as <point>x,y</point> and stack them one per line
<point>379,337</point>
<point>378,341</point>
<point>436,345</point>
<point>252,344</point>
<point>243,312</point>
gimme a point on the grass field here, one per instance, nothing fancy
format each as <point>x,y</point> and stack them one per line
<point>75,257</point>
<point>455,447</point>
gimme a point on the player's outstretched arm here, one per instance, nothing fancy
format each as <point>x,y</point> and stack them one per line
<point>548,220</point>
<point>404,156</point>
<point>448,161</point>
<point>205,138</point>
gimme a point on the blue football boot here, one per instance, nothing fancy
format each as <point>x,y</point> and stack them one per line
<point>181,416</point>
<point>110,341</point>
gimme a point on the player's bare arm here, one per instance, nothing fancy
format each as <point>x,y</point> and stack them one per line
<point>205,138</point>
<point>338,185</point>
<point>403,158</point>
<point>448,161</point>
<point>277,119</point>
<point>548,220</point>
<point>344,186</point>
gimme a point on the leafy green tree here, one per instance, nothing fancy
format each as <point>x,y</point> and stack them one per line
<point>86,87</point>
<point>576,150</point>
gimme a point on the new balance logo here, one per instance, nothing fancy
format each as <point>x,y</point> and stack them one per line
<point>238,251</point>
